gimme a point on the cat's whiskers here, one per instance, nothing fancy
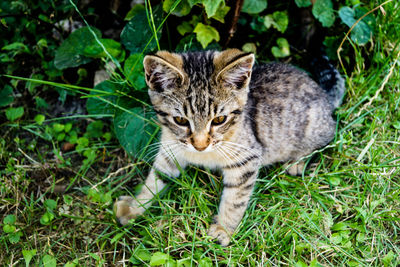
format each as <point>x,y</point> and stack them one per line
<point>155,147</point>
<point>233,156</point>
<point>239,158</point>
<point>242,147</point>
<point>222,153</point>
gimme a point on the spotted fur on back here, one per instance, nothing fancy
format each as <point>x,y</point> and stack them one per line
<point>218,110</point>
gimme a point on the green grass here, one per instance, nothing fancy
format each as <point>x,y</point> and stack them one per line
<point>343,211</point>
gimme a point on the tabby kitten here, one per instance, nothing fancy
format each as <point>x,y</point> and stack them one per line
<point>218,111</point>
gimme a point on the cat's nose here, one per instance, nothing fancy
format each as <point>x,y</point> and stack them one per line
<point>200,141</point>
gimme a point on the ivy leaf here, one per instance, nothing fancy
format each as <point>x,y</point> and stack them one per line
<point>211,6</point>
<point>137,34</point>
<point>158,258</point>
<point>221,13</point>
<point>49,261</point>
<point>388,258</point>
<point>13,114</point>
<point>254,6</point>
<point>278,19</point>
<point>134,10</point>
<point>282,50</point>
<point>6,96</point>
<point>70,53</point>
<point>28,255</point>
<point>133,130</point>
<point>323,11</point>
<point>184,27</point>
<point>303,3</point>
<point>96,51</point>
<point>133,69</point>
<point>14,237</point>
<point>182,9</point>
<point>9,219</point>
<point>361,32</point>
<point>205,34</point>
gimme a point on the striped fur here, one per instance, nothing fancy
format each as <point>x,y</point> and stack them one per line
<point>218,110</point>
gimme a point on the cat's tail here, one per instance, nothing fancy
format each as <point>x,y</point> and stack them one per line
<point>326,74</point>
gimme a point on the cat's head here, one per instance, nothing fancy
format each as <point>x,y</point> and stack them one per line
<point>199,97</point>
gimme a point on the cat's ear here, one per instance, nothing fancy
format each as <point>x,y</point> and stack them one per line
<point>236,68</point>
<point>163,71</point>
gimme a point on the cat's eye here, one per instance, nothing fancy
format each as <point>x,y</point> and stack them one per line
<point>181,121</point>
<point>218,120</point>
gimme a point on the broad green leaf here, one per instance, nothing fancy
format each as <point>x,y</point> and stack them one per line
<point>71,264</point>
<point>31,85</point>
<point>323,11</point>
<point>49,261</point>
<point>388,258</point>
<point>116,238</point>
<point>41,103</point>
<point>205,262</point>
<point>181,9</point>
<point>133,130</point>
<point>6,96</point>
<point>142,254</point>
<point>7,228</point>
<point>134,11</point>
<point>188,43</point>
<point>254,6</point>
<point>361,32</point>
<point>211,6</point>
<point>335,181</point>
<point>134,72</point>
<point>94,129</point>
<point>96,51</point>
<point>279,20</point>
<point>140,30</point>
<point>46,218</point>
<point>158,258</point>
<point>68,127</point>
<point>96,106</point>
<point>60,137</point>
<point>249,47</point>
<point>301,264</point>
<point>58,127</point>
<point>194,2</point>
<point>39,119</point>
<point>184,27</point>
<point>183,262</point>
<point>17,46</point>
<point>28,255</point>
<point>14,237</point>
<point>9,219</point>
<point>303,3</point>
<point>340,226</point>
<point>205,34</point>
<point>282,50</point>
<point>70,53</point>
<point>221,13</point>
<point>50,204</point>
<point>13,114</point>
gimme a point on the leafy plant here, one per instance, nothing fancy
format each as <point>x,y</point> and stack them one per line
<point>10,228</point>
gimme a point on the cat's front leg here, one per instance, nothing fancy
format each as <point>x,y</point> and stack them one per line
<point>238,187</point>
<point>127,207</point>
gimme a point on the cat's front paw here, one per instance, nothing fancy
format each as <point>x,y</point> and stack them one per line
<point>127,208</point>
<point>218,232</point>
